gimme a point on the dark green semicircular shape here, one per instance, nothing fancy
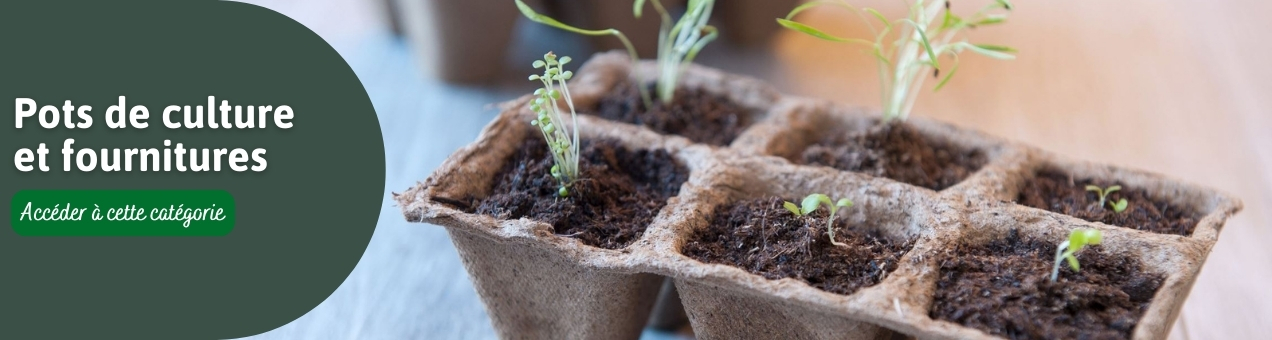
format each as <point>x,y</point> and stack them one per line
<point>300,226</point>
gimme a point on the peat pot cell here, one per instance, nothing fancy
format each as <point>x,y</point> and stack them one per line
<point>1058,192</point>
<point>764,238</point>
<point>696,114</point>
<point>897,151</point>
<point>619,192</point>
<point>1004,288</point>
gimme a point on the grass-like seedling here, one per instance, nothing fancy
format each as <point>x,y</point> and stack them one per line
<point>563,141</point>
<point>1118,206</point>
<point>678,44</point>
<point>1078,239</point>
<point>812,202</point>
<point>922,39</point>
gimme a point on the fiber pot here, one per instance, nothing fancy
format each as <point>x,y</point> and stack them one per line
<point>536,284</point>
<point>444,36</point>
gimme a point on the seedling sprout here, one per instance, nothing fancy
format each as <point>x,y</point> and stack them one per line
<point>1078,239</point>
<point>924,36</point>
<point>812,202</point>
<point>1118,206</point>
<point>678,44</point>
<point>563,142</point>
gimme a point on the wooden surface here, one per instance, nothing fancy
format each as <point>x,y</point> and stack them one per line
<point>1179,87</point>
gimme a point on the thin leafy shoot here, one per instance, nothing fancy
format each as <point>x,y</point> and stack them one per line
<point>529,13</point>
<point>812,202</point>
<point>926,35</point>
<point>563,139</point>
<point>679,43</point>
<point>1118,206</point>
<point>1078,239</point>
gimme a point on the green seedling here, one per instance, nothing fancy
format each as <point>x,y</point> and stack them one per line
<point>563,142</point>
<point>1118,206</point>
<point>1078,239</point>
<point>678,43</point>
<point>924,36</point>
<point>812,202</point>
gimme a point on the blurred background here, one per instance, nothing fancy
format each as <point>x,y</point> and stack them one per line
<point>1180,87</point>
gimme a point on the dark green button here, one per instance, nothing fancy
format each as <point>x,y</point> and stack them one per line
<point>122,212</point>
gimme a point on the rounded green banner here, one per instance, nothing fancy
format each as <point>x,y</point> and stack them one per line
<point>122,212</point>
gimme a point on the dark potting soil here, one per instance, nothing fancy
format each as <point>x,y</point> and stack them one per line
<point>896,151</point>
<point>1058,192</point>
<point>698,115</point>
<point>763,238</point>
<point>1004,288</point>
<point>618,195</point>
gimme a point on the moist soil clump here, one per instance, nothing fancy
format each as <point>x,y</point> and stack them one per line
<point>698,115</point>
<point>897,151</point>
<point>1004,288</point>
<point>763,238</point>
<point>1058,192</point>
<point>619,192</point>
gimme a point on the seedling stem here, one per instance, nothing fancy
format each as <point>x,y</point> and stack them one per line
<point>1078,239</point>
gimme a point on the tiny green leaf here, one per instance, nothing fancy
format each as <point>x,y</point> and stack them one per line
<point>1073,262</point>
<point>927,46</point>
<point>1004,3</point>
<point>1110,190</point>
<point>948,75</point>
<point>816,33</point>
<point>563,192</point>
<point>1120,205</point>
<point>1077,240</point>
<point>1094,188</point>
<point>1093,236</point>
<point>794,209</point>
<point>710,36</point>
<point>811,203</point>
<point>844,202</point>
<point>950,20</point>
<point>529,13</point>
<point>883,19</point>
<point>809,5</point>
<point>638,8</point>
<point>991,20</point>
<point>993,51</point>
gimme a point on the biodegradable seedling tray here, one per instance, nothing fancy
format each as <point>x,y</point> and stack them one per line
<point>536,284</point>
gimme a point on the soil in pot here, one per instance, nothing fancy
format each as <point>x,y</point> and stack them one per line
<point>897,151</point>
<point>698,115</point>
<point>618,195</point>
<point>1058,192</point>
<point>1004,288</point>
<point>762,237</point>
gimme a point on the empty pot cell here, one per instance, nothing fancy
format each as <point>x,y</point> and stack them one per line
<point>763,237</point>
<point>1002,286</point>
<point>695,113</point>
<point>619,192</point>
<point>1057,191</point>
